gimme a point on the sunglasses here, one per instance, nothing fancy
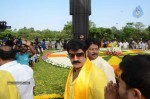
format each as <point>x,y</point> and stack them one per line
<point>77,55</point>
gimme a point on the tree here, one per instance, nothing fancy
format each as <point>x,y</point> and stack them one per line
<point>4,33</point>
<point>23,33</point>
<point>67,30</point>
<point>116,34</point>
<point>91,24</point>
<point>129,33</point>
<point>139,29</point>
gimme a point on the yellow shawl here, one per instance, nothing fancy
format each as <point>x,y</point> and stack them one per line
<point>8,90</point>
<point>89,84</point>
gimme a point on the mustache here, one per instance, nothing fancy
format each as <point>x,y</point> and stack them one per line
<point>74,62</point>
<point>94,54</point>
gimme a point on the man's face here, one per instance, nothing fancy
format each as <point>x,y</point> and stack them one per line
<point>77,58</point>
<point>92,52</point>
<point>23,48</point>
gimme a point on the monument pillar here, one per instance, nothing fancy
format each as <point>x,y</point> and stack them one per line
<point>80,11</point>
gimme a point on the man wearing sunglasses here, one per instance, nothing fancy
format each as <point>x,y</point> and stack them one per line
<point>85,80</point>
<point>93,45</point>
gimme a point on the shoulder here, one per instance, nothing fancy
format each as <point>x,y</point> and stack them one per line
<point>99,61</point>
<point>23,69</point>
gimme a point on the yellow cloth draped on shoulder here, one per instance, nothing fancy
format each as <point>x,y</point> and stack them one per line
<point>8,90</point>
<point>89,84</point>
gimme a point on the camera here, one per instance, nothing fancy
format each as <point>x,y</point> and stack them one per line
<point>3,26</point>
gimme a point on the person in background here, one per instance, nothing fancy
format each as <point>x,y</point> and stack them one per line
<point>134,82</point>
<point>23,56</point>
<point>34,58</point>
<point>49,46</point>
<point>82,37</point>
<point>22,74</point>
<point>85,80</point>
<point>38,48</point>
<point>43,44</point>
<point>58,44</point>
<point>93,54</point>
<point>125,45</point>
<point>65,44</point>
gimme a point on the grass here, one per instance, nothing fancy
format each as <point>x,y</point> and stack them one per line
<point>48,78</point>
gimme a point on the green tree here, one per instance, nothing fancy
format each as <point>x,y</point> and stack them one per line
<point>4,33</point>
<point>67,30</point>
<point>139,30</point>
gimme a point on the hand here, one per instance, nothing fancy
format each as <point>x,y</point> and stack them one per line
<point>28,43</point>
<point>15,41</point>
<point>111,91</point>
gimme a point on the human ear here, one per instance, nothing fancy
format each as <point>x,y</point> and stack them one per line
<point>137,93</point>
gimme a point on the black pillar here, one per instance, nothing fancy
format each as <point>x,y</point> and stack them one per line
<point>80,11</point>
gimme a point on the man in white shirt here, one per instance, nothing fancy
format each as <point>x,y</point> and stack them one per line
<point>125,45</point>
<point>23,75</point>
<point>92,52</point>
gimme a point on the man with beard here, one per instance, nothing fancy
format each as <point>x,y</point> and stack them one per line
<point>85,80</point>
<point>134,81</point>
<point>23,56</point>
<point>92,53</point>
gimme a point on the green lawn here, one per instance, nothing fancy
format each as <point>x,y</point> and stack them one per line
<point>48,78</point>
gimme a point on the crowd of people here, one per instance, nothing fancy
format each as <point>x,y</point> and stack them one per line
<point>142,44</point>
<point>29,51</point>
<point>91,77</point>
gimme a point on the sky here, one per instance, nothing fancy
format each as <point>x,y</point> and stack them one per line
<point>54,14</point>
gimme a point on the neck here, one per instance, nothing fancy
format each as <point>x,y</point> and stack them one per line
<point>76,72</point>
<point>5,61</point>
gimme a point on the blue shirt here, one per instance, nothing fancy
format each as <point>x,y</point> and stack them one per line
<point>23,58</point>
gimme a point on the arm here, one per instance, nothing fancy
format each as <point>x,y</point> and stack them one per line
<point>15,44</point>
<point>32,51</point>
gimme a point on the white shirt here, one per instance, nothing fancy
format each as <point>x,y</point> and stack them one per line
<point>120,44</point>
<point>125,45</point>
<point>105,66</point>
<point>21,74</point>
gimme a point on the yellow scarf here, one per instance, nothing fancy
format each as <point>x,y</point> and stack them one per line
<point>8,90</point>
<point>83,81</point>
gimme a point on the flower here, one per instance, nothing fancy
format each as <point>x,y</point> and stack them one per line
<point>114,51</point>
<point>58,59</point>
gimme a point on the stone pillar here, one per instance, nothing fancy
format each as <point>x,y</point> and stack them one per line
<point>80,11</point>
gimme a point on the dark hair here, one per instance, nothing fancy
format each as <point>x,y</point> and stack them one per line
<point>91,41</point>
<point>136,73</point>
<point>9,43</point>
<point>76,44</point>
<point>9,54</point>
